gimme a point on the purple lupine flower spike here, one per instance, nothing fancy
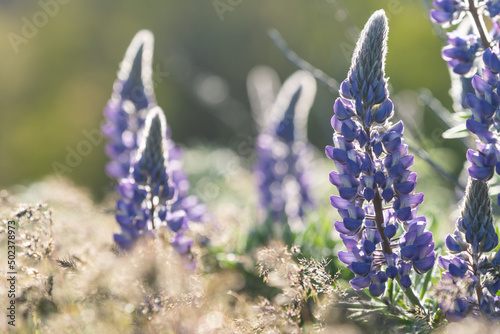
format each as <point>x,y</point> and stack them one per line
<point>283,152</point>
<point>148,192</point>
<point>125,112</point>
<point>485,119</point>
<point>375,185</point>
<point>467,42</point>
<point>474,237</point>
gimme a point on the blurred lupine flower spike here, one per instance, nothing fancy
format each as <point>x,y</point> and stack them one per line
<point>148,193</point>
<point>134,81</point>
<point>485,119</point>
<point>372,165</point>
<point>283,153</point>
<point>473,237</point>
<point>125,112</point>
<point>465,46</point>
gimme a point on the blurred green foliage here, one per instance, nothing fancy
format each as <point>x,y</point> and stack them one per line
<point>58,82</point>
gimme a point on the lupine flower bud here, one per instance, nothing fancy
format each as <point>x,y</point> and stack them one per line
<point>477,220</point>
<point>372,165</point>
<point>474,235</point>
<point>148,192</point>
<point>283,152</point>
<point>460,53</point>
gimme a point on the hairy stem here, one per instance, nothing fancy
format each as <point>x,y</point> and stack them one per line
<point>379,210</point>
<point>479,291</point>
<point>478,21</point>
<point>379,220</point>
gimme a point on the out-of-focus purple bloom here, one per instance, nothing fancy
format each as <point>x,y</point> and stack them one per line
<point>493,7</point>
<point>448,12</point>
<point>461,52</point>
<point>474,236</point>
<point>133,95</point>
<point>283,153</point>
<point>375,185</point>
<point>466,43</point>
<point>485,119</point>
<point>125,112</point>
<point>148,192</point>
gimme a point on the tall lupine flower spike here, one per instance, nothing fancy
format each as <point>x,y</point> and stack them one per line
<point>467,42</point>
<point>283,151</point>
<point>474,237</point>
<point>485,119</point>
<point>125,112</point>
<point>147,193</point>
<point>133,94</point>
<point>462,54</point>
<point>375,185</point>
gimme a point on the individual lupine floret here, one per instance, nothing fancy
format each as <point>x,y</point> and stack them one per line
<point>474,236</point>
<point>372,169</point>
<point>461,52</point>
<point>448,12</point>
<point>283,152</point>
<point>147,193</point>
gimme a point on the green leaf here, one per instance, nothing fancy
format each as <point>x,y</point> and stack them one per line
<point>459,131</point>
<point>425,285</point>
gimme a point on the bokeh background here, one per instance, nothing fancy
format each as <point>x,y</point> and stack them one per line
<point>55,82</point>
